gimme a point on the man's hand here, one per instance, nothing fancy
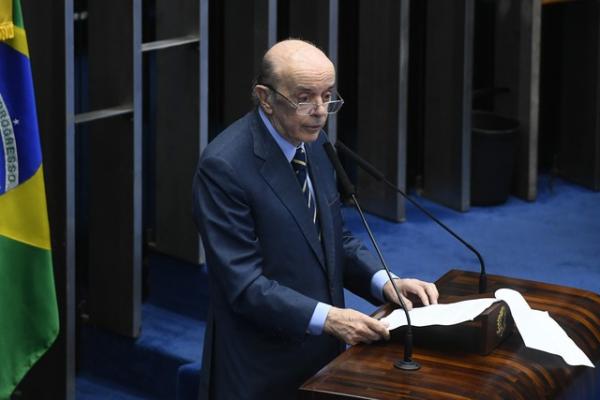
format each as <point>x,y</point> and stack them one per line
<point>425,291</point>
<point>354,327</point>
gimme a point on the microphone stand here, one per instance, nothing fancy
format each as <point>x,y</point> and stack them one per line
<point>348,191</point>
<point>371,170</point>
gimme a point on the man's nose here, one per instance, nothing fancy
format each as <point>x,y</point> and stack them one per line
<point>320,109</point>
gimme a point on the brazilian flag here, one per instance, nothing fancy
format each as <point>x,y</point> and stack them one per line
<point>28,309</point>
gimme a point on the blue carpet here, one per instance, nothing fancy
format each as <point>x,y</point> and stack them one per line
<point>95,388</point>
<point>172,335</point>
<point>555,239</point>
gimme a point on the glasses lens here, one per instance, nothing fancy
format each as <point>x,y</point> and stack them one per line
<point>334,106</point>
<point>308,108</point>
<point>305,108</point>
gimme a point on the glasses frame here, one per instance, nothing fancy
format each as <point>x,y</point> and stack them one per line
<point>314,106</point>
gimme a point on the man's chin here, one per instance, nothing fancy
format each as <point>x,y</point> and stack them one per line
<point>312,133</point>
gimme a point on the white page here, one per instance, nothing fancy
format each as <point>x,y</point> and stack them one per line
<point>440,314</point>
<point>539,331</point>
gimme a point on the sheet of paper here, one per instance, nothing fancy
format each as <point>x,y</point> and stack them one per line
<point>440,314</point>
<point>540,331</point>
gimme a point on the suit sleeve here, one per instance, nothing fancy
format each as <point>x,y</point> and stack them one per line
<point>224,218</point>
<point>360,266</point>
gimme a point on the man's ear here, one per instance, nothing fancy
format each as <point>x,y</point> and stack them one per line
<point>262,93</point>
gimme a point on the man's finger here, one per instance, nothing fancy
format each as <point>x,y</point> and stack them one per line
<point>386,325</point>
<point>407,303</point>
<point>419,290</point>
<point>432,292</point>
<point>378,328</point>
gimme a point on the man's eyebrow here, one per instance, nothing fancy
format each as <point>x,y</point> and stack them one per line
<point>308,89</point>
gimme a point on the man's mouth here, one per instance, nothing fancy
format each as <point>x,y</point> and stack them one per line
<point>314,127</point>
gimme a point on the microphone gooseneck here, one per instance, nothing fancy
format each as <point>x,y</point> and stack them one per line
<point>371,170</point>
<point>348,191</point>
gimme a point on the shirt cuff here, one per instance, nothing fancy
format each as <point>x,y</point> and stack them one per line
<point>317,321</point>
<point>378,281</point>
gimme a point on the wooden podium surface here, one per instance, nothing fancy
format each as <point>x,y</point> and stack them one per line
<point>511,371</point>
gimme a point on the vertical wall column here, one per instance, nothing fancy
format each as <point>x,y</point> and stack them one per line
<point>114,128</point>
<point>204,74</point>
<point>49,27</point>
<point>382,87</point>
<point>448,85</point>
<point>572,67</point>
<point>517,67</point>
<point>176,58</point>
<point>332,52</point>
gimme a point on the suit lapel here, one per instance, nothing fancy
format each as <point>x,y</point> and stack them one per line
<point>279,175</point>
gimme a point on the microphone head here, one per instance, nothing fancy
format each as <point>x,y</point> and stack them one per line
<point>347,189</point>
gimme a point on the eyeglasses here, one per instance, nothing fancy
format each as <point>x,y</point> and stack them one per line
<point>331,106</point>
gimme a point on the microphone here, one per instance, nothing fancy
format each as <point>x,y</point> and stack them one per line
<point>348,191</point>
<point>371,170</point>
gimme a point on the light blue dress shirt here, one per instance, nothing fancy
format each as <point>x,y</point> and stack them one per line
<point>379,279</point>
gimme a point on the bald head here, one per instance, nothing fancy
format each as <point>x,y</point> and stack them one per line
<point>285,57</point>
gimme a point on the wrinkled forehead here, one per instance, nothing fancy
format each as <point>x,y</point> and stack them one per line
<point>308,76</point>
<point>302,66</point>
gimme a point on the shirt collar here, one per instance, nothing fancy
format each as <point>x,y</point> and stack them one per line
<point>288,149</point>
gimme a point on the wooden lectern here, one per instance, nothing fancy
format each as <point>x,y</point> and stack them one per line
<point>510,371</point>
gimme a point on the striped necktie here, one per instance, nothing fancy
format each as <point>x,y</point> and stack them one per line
<point>300,167</point>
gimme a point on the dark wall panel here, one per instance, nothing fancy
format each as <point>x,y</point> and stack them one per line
<point>304,19</point>
<point>177,150</point>
<point>115,166</point>
<point>240,33</point>
<point>347,72</point>
<point>448,79</point>
<point>382,78</point>
<point>578,106</point>
<point>115,268</point>
<point>49,31</point>
<point>174,117</point>
<point>517,65</point>
<point>245,39</point>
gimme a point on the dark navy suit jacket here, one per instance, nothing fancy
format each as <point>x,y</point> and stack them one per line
<point>267,267</point>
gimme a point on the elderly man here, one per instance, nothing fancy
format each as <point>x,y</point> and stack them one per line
<point>267,208</point>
